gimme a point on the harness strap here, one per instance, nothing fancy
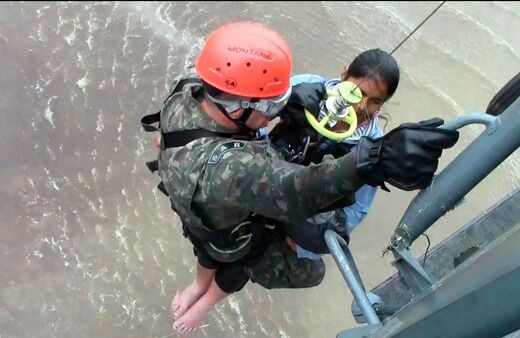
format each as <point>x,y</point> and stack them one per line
<point>179,138</point>
<point>153,166</point>
<point>228,243</point>
<point>182,83</point>
<point>162,189</point>
<point>148,120</point>
<point>244,244</point>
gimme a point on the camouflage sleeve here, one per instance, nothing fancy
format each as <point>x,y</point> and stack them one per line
<point>255,179</point>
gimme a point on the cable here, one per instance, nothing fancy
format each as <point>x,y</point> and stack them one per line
<point>427,248</point>
<point>419,26</point>
<point>403,41</point>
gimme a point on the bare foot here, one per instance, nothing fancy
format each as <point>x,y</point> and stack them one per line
<point>182,301</point>
<point>192,319</point>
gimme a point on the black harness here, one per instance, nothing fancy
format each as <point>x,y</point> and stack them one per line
<point>226,245</point>
<point>180,138</point>
<point>294,137</point>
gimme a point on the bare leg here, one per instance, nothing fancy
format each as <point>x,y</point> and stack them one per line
<point>158,141</point>
<point>192,319</point>
<point>182,301</point>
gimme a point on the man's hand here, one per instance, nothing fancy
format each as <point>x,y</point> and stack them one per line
<point>310,236</point>
<point>406,157</point>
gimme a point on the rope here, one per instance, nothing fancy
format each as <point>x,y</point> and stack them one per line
<point>404,40</point>
<point>426,253</point>
<point>416,28</point>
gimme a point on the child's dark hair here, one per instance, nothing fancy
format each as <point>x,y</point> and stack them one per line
<point>376,64</point>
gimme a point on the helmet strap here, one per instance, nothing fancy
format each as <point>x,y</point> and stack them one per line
<point>241,121</point>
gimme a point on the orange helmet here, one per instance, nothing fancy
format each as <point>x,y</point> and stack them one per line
<point>246,59</point>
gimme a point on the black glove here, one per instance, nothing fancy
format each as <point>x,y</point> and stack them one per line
<point>308,95</point>
<point>310,236</point>
<point>406,157</point>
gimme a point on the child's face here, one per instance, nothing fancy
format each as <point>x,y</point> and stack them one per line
<point>375,93</point>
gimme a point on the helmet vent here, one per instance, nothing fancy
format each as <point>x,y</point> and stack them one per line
<point>247,60</point>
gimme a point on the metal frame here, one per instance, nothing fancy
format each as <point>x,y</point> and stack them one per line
<point>341,253</point>
<point>500,138</point>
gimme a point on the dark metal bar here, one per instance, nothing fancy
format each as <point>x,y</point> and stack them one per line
<point>472,118</point>
<point>484,154</point>
<point>416,278</point>
<point>346,265</point>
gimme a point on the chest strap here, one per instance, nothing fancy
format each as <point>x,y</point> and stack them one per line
<point>174,139</point>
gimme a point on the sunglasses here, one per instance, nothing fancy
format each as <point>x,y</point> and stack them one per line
<point>269,107</point>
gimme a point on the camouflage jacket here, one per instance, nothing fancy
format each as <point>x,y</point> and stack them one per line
<point>217,182</point>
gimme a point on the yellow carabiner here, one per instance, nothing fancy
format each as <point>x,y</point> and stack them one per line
<point>350,93</point>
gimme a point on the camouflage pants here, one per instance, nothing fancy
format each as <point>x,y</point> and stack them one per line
<point>280,267</point>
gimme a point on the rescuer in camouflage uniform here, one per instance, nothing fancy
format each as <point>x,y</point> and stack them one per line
<point>233,193</point>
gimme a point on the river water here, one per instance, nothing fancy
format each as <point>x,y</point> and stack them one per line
<point>90,249</point>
